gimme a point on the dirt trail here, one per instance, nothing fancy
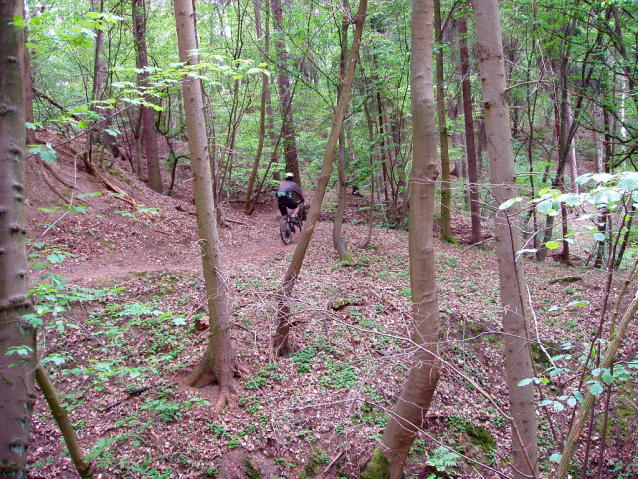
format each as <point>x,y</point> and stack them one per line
<point>111,240</point>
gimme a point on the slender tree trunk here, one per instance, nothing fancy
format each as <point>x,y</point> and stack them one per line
<point>518,358</point>
<point>63,422</point>
<point>470,147</point>
<point>137,136</point>
<point>28,90</point>
<point>408,413</point>
<point>446,195</point>
<point>589,401</point>
<point>99,78</point>
<point>147,112</point>
<point>281,339</point>
<point>283,81</point>
<point>218,361</point>
<point>17,390</point>
<point>265,113</point>
<point>337,237</point>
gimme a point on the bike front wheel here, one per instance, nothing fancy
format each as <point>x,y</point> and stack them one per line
<point>284,229</point>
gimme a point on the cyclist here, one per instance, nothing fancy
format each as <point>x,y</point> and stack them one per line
<point>289,195</point>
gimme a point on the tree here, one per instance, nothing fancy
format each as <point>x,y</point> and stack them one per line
<point>285,95</point>
<point>337,238</point>
<point>446,228</point>
<point>281,340</point>
<point>17,336</point>
<point>146,111</point>
<point>408,413</point>
<point>218,361</point>
<point>518,357</point>
<point>470,147</point>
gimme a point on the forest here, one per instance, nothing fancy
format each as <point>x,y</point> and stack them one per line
<point>457,303</point>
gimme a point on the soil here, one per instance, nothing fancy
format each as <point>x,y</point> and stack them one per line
<point>318,413</point>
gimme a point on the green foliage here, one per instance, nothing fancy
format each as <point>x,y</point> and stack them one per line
<point>442,458</point>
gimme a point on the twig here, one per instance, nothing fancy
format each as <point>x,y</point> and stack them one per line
<point>236,221</point>
<point>132,393</point>
<point>332,463</point>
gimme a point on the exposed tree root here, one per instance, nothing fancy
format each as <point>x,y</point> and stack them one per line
<point>222,400</point>
<point>53,188</point>
<point>121,194</point>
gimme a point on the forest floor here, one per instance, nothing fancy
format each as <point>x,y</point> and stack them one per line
<point>118,358</point>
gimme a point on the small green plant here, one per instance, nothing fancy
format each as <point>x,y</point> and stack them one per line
<point>303,360</point>
<point>441,459</point>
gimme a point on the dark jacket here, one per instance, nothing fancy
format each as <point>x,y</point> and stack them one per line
<point>291,189</point>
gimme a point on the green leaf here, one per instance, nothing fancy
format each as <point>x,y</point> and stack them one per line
<point>607,377</point>
<point>596,388</point>
<point>55,258</point>
<point>571,402</point>
<point>600,237</point>
<point>580,304</point>
<point>48,155</point>
<point>83,124</point>
<point>506,204</point>
<point>578,395</point>
<point>556,457</point>
<point>179,321</point>
<point>546,206</point>
<point>525,382</point>
<point>552,245</point>
<point>628,183</point>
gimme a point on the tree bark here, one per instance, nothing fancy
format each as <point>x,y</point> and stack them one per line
<point>281,339</point>
<point>147,112</point>
<point>518,358</point>
<point>63,422</point>
<point>283,81</point>
<point>408,413</point>
<point>470,147</point>
<point>218,362</point>
<point>17,382</point>
<point>337,237</point>
<point>589,401</point>
<point>265,112</point>
<point>446,194</point>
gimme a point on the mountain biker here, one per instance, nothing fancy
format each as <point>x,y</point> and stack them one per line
<point>289,195</point>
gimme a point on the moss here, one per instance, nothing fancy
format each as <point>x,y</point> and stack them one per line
<point>539,355</point>
<point>339,304</point>
<point>481,437</point>
<point>377,468</point>
<point>348,259</point>
<point>251,471</point>
<point>310,470</point>
<point>451,240</point>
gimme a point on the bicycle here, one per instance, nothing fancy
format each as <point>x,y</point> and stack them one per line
<point>287,227</point>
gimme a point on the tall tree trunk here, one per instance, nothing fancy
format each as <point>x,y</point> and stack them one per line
<point>218,361</point>
<point>17,390</point>
<point>281,339</point>
<point>265,89</point>
<point>408,413</point>
<point>147,112</point>
<point>99,78</point>
<point>137,136</point>
<point>470,147</point>
<point>337,237</point>
<point>62,419</point>
<point>28,90</point>
<point>283,81</point>
<point>518,358</point>
<point>446,195</point>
